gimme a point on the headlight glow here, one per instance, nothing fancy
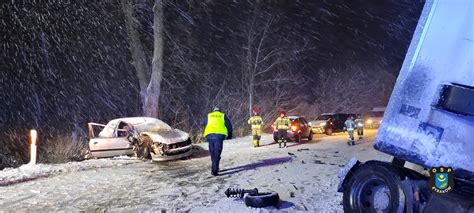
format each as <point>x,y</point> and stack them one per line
<point>369,121</point>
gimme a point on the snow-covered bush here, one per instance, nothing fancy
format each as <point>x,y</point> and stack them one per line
<point>51,148</point>
<point>63,149</point>
<point>14,149</point>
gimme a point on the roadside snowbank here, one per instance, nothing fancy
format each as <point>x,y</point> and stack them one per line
<point>304,175</point>
<point>27,172</point>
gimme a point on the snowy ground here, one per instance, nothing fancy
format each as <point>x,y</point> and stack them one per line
<point>305,176</point>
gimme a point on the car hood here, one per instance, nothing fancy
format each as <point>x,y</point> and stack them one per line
<point>317,123</point>
<point>168,136</point>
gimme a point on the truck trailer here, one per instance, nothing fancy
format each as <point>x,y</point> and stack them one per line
<point>429,123</point>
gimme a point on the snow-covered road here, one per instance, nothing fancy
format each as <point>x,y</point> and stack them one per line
<point>305,176</point>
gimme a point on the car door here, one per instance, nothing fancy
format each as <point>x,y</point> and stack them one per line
<point>341,118</point>
<point>112,144</point>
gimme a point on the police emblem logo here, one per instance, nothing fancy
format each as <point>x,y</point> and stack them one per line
<point>442,179</point>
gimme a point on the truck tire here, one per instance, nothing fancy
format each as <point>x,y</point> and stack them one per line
<point>262,200</point>
<point>374,187</point>
<point>310,136</point>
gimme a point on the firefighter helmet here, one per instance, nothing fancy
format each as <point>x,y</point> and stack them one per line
<point>255,111</point>
<point>282,113</point>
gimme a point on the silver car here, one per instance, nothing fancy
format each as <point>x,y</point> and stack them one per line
<point>141,136</point>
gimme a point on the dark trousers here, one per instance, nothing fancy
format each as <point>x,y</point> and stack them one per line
<point>360,131</point>
<point>282,137</point>
<point>216,142</point>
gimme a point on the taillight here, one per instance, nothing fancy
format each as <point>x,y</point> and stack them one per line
<point>274,128</point>
<point>294,128</point>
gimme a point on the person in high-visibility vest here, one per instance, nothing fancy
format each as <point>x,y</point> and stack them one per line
<point>349,127</point>
<point>217,129</point>
<point>360,126</point>
<point>256,122</point>
<point>282,124</point>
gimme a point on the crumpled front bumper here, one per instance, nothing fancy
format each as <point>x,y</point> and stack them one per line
<point>173,154</point>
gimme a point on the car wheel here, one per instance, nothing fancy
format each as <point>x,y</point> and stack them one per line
<point>262,200</point>
<point>374,187</point>
<point>310,137</point>
<point>329,131</point>
<point>298,138</point>
<point>145,153</point>
<point>144,147</point>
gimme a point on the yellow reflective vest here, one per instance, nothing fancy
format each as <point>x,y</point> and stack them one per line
<point>256,122</point>
<point>215,124</point>
<point>282,123</point>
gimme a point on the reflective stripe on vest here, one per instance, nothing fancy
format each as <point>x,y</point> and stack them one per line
<point>256,122</point>
<point>283,123</point>
<point>359,123</point>
<point>350,126</point>
<point>215,124</point>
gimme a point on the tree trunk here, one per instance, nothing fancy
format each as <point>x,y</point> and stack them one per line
<point>251,89</point>
<point>150,86</point>
<point>152,98</point>
<point>136,48</point>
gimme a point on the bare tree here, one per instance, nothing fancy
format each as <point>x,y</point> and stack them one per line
<point>260,53</point>
<point>349,90</point>
<point>149,80</point>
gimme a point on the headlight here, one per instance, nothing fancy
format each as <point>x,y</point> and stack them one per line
<point>294,128</point>
<point>322,124</point>
<point>369,121</point>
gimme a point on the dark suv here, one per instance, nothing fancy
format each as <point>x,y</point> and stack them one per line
<point>329,123</point>
<point>299,129</point>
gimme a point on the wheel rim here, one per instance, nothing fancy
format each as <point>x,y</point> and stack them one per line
<point>371,195</point>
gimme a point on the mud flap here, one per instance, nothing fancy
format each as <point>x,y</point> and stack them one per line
<point>346,171</point>
<point>409,196</point>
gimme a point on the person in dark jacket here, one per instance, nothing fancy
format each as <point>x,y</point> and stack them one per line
<point>217,129</point>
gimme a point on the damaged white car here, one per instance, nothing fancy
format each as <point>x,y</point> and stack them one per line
<point>143,137</point>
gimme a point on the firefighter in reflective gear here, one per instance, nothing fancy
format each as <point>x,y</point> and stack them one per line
<point>282,124</point>
<point>256,123</point>
<point>360,126</point>
<point>217,129</point>
<point>349,127</point>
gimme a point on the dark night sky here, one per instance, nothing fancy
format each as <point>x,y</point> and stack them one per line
<point>65,64</point>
